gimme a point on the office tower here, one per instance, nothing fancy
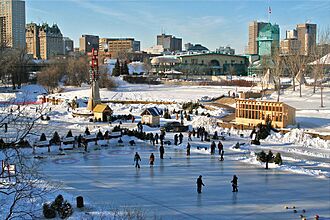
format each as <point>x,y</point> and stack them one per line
<point>87,42</point>
<point>169,42</point>
<point>306,34</point>
<point>254,29</point>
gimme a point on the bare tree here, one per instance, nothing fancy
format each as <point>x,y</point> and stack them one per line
<point>19,195</point>
<point>295,63</point>
<point>49,77</point>
<point>77,71</point>
<point>13,66</point>
<point>104,78</point>
<point>147,65</point>
<point>278,69</point>
<point>319,65</point>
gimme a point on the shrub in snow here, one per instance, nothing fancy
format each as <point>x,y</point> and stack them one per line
<point>278,159</point>
<point>190,105</point>
<point>265,158</point>
<point>48,211</point>
<point>57,203</point>
<point>167,114</point>
<point>63,208</point>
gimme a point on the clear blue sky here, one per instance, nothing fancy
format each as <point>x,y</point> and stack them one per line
<point>212,23</point>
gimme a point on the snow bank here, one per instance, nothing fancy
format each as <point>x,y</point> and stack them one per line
<point>209,123</point>
<point>299,137</point>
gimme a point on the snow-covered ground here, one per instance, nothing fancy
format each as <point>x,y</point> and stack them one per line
<point>107,178</point>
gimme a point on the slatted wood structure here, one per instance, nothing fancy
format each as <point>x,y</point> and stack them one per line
<point>253,112</point>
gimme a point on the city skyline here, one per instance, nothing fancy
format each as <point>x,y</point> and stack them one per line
<point>210,23</point>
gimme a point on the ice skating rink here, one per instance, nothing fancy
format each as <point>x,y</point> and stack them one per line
<point>107,178</point>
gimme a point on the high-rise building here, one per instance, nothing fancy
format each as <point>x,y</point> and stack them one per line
<point>12,23</point>
<point>32,40</point>
<point>291,44</point>
<point>268,39</point>
<point>306,34</point>
<point>51,41</point>
<point>103,44</point>
<point>254,29</point>
<point>44,41</point>
<point>123,44</point>
<point>291,34</point>
<point>169,42</point>
<point>87,42</point>
<point>68,45</point>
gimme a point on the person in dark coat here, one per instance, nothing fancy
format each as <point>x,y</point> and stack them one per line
<point>234,183</point>
<point>79,140</point>
<point>175,139</point>
<point>220,147</point>
<point>193,132</point>
<point>137,158</point>
<point>180,138</point>
<point>189,136</point>
<point>213,148</point>
<point>161,151</point>
<point>188,149</point>
<point>151,159</point>
<point>199,184</point>
<point>156,138</point>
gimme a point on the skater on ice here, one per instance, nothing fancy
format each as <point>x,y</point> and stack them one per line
<point>151,159</point>
<point>188,149</point>
<point>161,151</point>
<point>234,183</point>
<point>180,138</point>
<point>199,184</point>
<point>137,158</point>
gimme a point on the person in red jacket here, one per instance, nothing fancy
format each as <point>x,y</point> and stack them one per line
<point>151,159</point>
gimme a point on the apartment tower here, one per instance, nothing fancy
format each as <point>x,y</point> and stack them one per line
<point>12,23</point>
<point>307,36</point>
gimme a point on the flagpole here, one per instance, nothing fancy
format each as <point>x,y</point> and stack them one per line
<point>269,11</point>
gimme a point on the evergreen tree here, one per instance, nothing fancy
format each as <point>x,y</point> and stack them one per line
<point>117,70</point>
<point>56,137</point>
<point>69,134</point>
<point>43,137</point>
<point>125,70</point>
<point>278,159</point>
<point>87,131</point>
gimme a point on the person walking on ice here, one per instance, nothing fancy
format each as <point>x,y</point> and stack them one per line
<point>199,184</point>
<point>234,183</point>
<point>161,151</point>
<point>151,159</point>
<point>188,149</point>
<point>137,158</point>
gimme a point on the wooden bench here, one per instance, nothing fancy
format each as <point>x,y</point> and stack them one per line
<point>68,141</point>
<point>41,144</point>
<point>115,134</point>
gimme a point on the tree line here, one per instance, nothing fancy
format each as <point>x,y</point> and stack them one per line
<point>73,71</point>
<point>14,66</point>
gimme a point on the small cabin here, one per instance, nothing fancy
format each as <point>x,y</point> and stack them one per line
<point>102,112</point>
<point>151,117</point>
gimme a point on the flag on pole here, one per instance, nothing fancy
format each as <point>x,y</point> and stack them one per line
<point>269,10</point>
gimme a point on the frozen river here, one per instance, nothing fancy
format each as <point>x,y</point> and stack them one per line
<point>107,178</point>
